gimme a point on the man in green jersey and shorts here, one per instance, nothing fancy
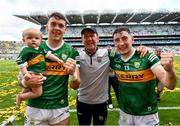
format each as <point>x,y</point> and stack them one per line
<point>51,108</point>
<point>137,80</point>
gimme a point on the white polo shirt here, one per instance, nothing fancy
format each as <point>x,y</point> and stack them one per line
<point>94,73</point>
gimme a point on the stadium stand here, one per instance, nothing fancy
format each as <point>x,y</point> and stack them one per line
<point>150,28</point>
<point>9,49</point>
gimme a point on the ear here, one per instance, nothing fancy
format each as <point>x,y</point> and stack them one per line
<point>82,39</point>
<point>97,38</point>
<point>132,38</point>
<point>46,26</point>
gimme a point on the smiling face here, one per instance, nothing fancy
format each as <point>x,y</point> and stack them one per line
<point>56,27</point>
<point>90,40</point>
<point>158,52</point>
<point>32,37</point>
<point>123,42</point>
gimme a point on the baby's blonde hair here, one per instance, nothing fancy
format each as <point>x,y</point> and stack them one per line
<point>31,30</point>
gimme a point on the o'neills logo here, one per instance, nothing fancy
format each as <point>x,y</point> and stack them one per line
<point>137,76</point>
<point>53,68</point>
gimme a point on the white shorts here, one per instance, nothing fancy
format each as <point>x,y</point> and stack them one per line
<point>36,116</point>
<point>127,119</point>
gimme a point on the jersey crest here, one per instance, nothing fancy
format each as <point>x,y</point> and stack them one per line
<point>136,64</point>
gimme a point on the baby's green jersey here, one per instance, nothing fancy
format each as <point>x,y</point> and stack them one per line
<point>33,58</point>
<point>55,87</point>
<point>137,83</point>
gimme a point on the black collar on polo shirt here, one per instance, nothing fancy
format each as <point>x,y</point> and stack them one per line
<point>89,53</point>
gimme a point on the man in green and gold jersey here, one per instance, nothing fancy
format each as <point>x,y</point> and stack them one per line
<point>51,108</point>
<point>137,80</point>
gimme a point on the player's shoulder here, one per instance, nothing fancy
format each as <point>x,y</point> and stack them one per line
<point>67,45</point>
<point>114,55</point>
<point>151,56</point>
<point>43,44</point>
<point>102,51</point>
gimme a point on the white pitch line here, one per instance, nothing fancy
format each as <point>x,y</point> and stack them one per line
<point>117,109</point>
<point>168,108</point>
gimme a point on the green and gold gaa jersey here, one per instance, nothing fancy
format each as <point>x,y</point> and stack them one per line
<point>137,83</point>
<point>33,58</point>
<point>55,87</point>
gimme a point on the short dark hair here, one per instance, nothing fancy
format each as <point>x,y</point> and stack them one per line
<point>89,28</point>
<point>57,15</point>
<point>120,29</point>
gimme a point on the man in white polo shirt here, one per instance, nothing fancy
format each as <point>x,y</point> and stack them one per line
<point>94,72</point>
